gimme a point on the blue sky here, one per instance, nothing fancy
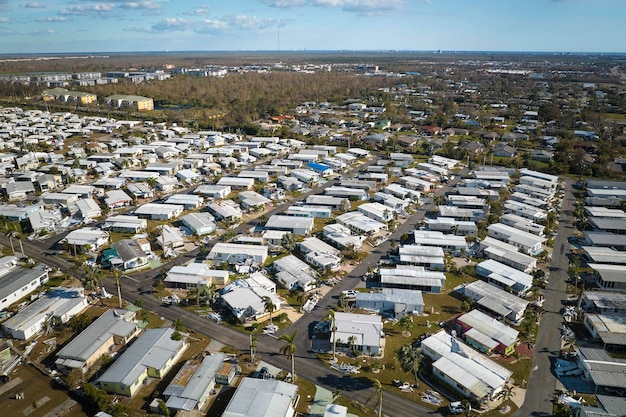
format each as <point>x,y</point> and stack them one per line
<point>216,25</point>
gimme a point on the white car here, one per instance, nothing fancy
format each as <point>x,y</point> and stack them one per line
<point>457,407</point>
<point>349,293</point>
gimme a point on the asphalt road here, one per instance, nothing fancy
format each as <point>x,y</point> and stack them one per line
<point>542,381</point>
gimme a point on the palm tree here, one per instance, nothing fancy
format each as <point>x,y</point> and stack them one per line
<point>410,360</point>
<point>351,344</point>
<point>506,394</point>
<point>378,392</point>
<point>331,315</point>
<point>178,324</point>
<point>253,342</point>
<point>288,242</point>
<point>289,348</point>
<point>569,345</point>
<point>269,306</point>
<point>336,396</point>
<point>406,323</point>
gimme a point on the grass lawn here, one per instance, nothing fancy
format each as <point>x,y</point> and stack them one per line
<point>290,297</point>
<point>319,223</point>
<point>615,116</point>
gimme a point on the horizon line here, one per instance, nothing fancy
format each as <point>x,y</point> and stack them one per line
<point>286,52</point>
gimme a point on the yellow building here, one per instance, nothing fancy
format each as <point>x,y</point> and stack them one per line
<point>152,355</point>
<point>138,102</point>
<point>61,94</point>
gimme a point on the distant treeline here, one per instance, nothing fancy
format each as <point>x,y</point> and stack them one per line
<point>239,98</point>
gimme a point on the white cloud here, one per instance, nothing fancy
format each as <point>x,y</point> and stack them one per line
<point>45,32</point>
<point>101,9</point>
<point>366,7</point>
<point>53,19</point>
<point>171,24</point>
<point>141,5</point>
<point>200,11</point>
<point>4,20</point>
<point>35,5</point>
<point>236,23</point>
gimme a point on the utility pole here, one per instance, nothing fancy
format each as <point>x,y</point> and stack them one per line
<point>12,248</point>
<point>22,248</point>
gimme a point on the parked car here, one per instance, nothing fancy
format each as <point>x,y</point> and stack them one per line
<point>457,407</point>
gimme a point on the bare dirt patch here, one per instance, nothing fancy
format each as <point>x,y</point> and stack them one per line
<point>41,395</point>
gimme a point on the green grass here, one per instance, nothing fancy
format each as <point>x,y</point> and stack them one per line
<point>615,116</point>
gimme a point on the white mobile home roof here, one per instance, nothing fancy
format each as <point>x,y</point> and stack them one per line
<point>602,255</point>
<point>495,299</point>
<point>490,327</point>
<point>59,302</point>
<point>366,328</point>
<point>158,209</point>
<point>313,244</point>
<point>236,182</point>
<point>525,210</point>
<point>255,251</point>
<point>195,273</point>
<point>495,248</point>
<point>213,190</point>
<point>199,222</point>
<point>123,220</point>
<point>605,212</point>
<point>429,238</point>
<point>400,191</point>
<point>531,201</point>
<point>279,222</point>
<point>252,198</point>
<point>466,366</point>
<point>185,200</point>
<point>153,349</point>
<point>505,275</point>
<point>610,273</point>
<point>412,275</point>
<point>540,175</point>
<point>262,398</point>
<point>522,223</point>
<point>360,222</point>
<point>325,200</point>
<point>116,322</point>
<point>515,235</point>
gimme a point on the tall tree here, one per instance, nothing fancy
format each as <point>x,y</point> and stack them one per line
<point>333,329</point>
<point>269,306</point>
<point>288,242</point>
<point>378,392</point>
<point>253,343</point>
<point>289,348</point>
<point>410,360</point>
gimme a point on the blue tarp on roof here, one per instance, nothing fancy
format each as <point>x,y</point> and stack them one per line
<point>318,167</point>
